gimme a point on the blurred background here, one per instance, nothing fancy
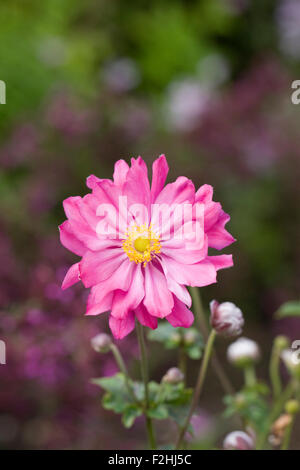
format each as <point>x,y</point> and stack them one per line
<point>208,83</point>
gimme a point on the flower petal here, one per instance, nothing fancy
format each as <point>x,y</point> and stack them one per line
<point>120,172</point>
<point>121,327</point>
<point>69,240</point>
<point>158,298</point>
<point>145,318</point>
<point>72,277</point>
<point>160,171</point>
<point>198,274</point>
<point>119,280</point>
<point>101,307</point>
<point>98,266</point>
<point>181,315</point>
<point>221,261</point>
<point>125,301</point>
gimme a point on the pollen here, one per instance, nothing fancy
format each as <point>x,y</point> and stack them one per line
<point>142,244</point>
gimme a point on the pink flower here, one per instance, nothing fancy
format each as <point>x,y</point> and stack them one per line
<point>138,259</point>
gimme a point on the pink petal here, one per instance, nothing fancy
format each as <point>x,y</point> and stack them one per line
<point>98,266</point>
<point>137,190</point>
<point>218,237</point>
<point>76,212</point>
<point>199,274</point>
<point>160,171</point>
<point>101,307</point>
<point>181,315</point>
<point>125,301</point>
<point>72,277</point>
<point>120,173</point>
<point>158,298</point>
<point>121,327</point>
<point>221,261</point>
<point>177,289</point>
<point>92,181</point>
<point>182,190</point>
<point>69,240</point>
<point>178,251</point>
<point>119,280</point>
<point>145,318</point>
<point>204,194</point>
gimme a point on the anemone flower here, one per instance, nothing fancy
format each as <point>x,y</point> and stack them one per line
<point>141,245</point>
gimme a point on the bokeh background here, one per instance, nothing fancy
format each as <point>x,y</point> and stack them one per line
<point>208,83</point>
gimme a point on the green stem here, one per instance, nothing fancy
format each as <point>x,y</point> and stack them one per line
<point>182,361</point>
<point>199,386</point>
<point>275,412</point>
<point>287,436</point>
<point>202,323</point>
<point>250,377</point>
<point>121,364</point>
<point>274,372</point>
<point>144,370</point>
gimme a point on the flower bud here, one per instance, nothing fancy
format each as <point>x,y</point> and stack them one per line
<point>291,362</point>
<point>226,318</point>
<point>176,338</point>
<point>280,426</point>
<point>190,337</point>
<point>173,376</point>
<point>243,352</point>
<point>281,342</point>
<point>292,407</point>
<point>101,343</point>
<point>238,440</point>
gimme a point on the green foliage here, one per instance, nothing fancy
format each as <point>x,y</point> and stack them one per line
<point>289,309</point>
<point>191,341</point>
<point>165,400</point>
<point>250,404</point>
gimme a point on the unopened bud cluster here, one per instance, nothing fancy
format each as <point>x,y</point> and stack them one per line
<point>101,342</point>
<point>173,376</point>
<point>226,318</point>
<point>238,440</point>
<point>243,352</point>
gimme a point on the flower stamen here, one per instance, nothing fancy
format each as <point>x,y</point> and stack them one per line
<point>141,244</point>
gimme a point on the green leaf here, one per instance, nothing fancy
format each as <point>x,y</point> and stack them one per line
<point>158,412</point>
<point>189,339</point>
<point>289,309</point>
<point>130,414</point>
<point>166,334</point>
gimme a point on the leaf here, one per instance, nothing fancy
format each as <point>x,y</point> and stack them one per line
<point>289,309</point>
<point>130,414</point>
<point>187,338</point>
<point>179,414</point>
<point>158,412</point>
<point>166,334</point>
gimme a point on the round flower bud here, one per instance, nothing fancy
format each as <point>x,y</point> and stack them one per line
<point>190,337</point>
<point>101,343</point>
<point>176,338</point>
<point>173,376</point>
<point>281,342</point>
<point>238,440</point>
<point>243,352</point>
<point>226,318</point>
<point>291,362</point>
<point>292,407</point>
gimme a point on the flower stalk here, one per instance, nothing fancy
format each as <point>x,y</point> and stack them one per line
<point>199,386</point>
<point>121,364</point>
<point>201,319</point>
<point>144,371</point>
<point>275,412</point>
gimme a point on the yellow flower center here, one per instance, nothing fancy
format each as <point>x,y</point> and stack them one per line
<point>141,244</point>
